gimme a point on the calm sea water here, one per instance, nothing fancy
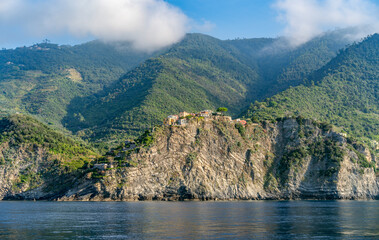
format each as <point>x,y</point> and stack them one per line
<point>190,220</point>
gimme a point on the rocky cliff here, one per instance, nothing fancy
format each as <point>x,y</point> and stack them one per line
<point>216,159</point>
<point>37,162</point>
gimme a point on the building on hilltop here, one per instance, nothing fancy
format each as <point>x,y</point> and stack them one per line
<point>184,114</point>
<point>205,113</point>
<point>175,120</point>
<point>171,120</point>
<point>183,117</point>
<point>175,117</point>
<point>243,122</point>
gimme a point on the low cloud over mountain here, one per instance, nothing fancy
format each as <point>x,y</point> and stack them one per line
<point>147,24</point>
<point>306,19</point>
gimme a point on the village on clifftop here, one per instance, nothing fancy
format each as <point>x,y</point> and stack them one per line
<point>182,118</point>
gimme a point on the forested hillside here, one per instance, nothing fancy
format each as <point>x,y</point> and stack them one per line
<point>344,92</point>
<point>313,110</point>
<point>198,73</point>
<point>281,65</point>
<point>44,78</point>
<point>33,156</point>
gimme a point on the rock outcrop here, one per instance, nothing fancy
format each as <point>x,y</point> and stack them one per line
<point>219,160</point>
<point>37,162</point>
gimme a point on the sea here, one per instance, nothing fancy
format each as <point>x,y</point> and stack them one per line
<point>190,220</point>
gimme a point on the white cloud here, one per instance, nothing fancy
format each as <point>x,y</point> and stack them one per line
<point>147,24</point>
<point>305,19</point>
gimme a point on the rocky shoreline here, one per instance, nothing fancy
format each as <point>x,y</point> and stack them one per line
<point>208,160</point>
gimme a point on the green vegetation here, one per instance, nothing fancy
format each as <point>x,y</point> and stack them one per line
<point>289,161</point>
<point>343,93</point>
<point>52,159</point>
<point>241,129</point>
<point>326,149</point>
<point>20,130</point>
<point>146,139</point>
<point>191,157</point>
<point>198,73</point>
<point>79,89</point>
<point>222,109</point>
<point>362,161</point>
<point>185,77</point>
<point>270,183</point>
<point>45,79</point>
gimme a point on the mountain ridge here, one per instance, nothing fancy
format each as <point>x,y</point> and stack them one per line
<point>344,92</point>
<point>281,152</point>
<point>201,72</point>
<point>39,79</point>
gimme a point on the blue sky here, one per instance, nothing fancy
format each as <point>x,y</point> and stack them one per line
<point>234,18</point>
<point>152,24</point>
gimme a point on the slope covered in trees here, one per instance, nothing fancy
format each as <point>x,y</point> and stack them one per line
<point>35,157</point>
<point>344,92</point>
<point>282,65</point>
<point>20,129</point>
<point>195,74</point>
<point>44,78</point>
<point>79,87</point>
<point>198,73</point>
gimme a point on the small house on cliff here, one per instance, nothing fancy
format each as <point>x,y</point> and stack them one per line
<point>243,122</point>
<point>205,113</point>
<point>184,114</point>
<point>171,120</point>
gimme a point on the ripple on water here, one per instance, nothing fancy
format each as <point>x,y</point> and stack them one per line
<point>190,220</point>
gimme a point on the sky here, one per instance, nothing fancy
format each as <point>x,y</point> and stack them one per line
<point>230,19</point>
<point>153,24</point>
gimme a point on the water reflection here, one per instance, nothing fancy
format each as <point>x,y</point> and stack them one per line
<point>190,220</point>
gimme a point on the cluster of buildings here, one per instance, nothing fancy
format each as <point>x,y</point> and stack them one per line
<point>38,47</point>
<point>183,117</point>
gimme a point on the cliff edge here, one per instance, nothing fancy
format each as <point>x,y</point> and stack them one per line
<point>217,159</point>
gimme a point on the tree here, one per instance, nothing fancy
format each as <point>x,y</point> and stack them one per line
<point>222,109</point>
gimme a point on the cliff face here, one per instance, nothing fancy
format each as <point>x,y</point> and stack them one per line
<point>28,171</point>
<point>21,169</point>
<point>217,159</point>
<point>37,162</point>
<point>14,161</point>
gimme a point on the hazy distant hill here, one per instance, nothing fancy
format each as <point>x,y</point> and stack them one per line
<point>282,66</point>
